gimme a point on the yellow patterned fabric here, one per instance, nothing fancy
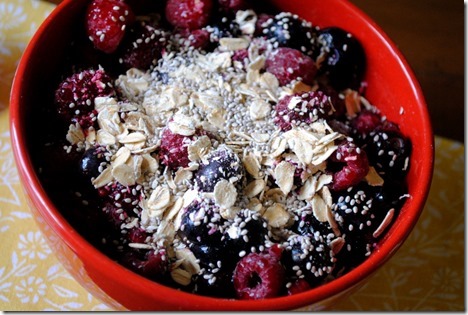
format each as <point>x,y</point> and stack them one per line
<point>427,273</point>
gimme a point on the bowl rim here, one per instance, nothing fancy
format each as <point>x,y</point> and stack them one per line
<point>79,245</point>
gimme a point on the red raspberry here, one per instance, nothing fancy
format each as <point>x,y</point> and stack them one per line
<point>75,95</point>
<point>305,108</point>
<point>173,149</point>
<point>233,5</point>
<point>156,264</point>
<point>241,55</point>
<point>122,197</point>
<point>143,46</point>
<point>191,14</point>
<point>137,235</point>
<point>289,64</point>
<point>106,21</point>
<point>258,276</point>
<point>366,121</point>
<point>356,168</point>
<point>198,39</point>
<point>298,286</point>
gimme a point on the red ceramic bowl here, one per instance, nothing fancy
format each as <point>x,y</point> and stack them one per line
<point>391,86</point>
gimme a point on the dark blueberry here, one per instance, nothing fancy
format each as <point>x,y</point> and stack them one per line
<point>308,257</point>
<point>221,164</point>
<point>341,58</point>
<point>389,153</point>
<point>247,232</point>
<point>201,223</point>
<point>223,26</point>
<point>93,162</point>
<point>288,30</point>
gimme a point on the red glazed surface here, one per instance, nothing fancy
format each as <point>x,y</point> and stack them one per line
<point>391,86</point>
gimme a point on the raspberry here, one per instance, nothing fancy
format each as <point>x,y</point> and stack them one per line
<point>198,39</point>
<point>288,64</point>
<point>366,121</point>
<point>106,21</point>
<point>298,286</point>
<point>191,14</point>
<point>233,5</point>
<point>122,197</point>
<point>241,55</point>
<point>294,110</point>
<point>258,276</point>
<point>173,150</point>
<point>355,169</point>
<point>142,47</point>
<point>75,96</point>
<point>154,264</point>
<point>137,235</point>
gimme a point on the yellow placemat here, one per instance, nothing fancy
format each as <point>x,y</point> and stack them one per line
<point>426,274</point>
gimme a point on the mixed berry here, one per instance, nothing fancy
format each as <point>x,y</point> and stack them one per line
<point>230,152</point>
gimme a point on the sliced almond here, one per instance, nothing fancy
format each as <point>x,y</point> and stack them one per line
<point>337,244</point>
<point>189,261</point>
<point>373,178</point>
<point>251,164</point>
<point>121,156</point>
<point>104,178</point>
<point>284,176</point>
<point>276,215</point>
<point>173,210</point>
<point>254,188</point>
<point>319,208</point>
<point>182,175</point>
<point>159,198</point>
<point>225,194</point>
<point>181,276</point>
<point>124,174</point>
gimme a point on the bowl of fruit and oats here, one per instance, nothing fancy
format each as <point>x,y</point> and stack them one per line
<point>219,155</point>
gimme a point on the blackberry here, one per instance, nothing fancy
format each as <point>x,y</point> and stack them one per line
<point>308,257</point>
<point>389,153</point>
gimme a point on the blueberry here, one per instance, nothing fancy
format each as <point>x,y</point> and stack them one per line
<point>93,161</point>
<point>201,223</point>
<point>341,58</point>
<point>221,164</point>
<point>309,257</point>
<point>288,30</point>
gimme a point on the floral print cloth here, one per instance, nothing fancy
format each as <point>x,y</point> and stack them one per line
<point>427,273</point>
